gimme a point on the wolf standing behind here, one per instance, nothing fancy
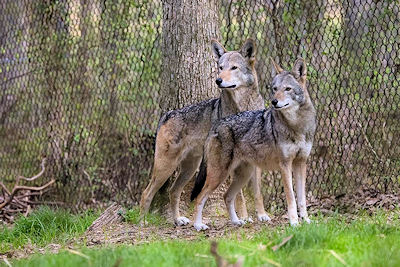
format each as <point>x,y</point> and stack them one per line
<point>181,134</point>
<point>279,138</point>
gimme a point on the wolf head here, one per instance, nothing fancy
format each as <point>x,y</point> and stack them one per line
<point>235,68</point>
<point>288,88</point>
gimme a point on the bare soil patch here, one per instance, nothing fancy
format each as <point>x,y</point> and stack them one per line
<point>114,230</point>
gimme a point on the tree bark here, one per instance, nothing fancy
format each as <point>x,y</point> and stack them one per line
<point>188,68</point>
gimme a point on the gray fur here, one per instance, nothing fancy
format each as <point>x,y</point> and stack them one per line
<point>181,134</point>
<point>279,138</point>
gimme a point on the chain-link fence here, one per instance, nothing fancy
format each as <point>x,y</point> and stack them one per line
<point>80,83</point>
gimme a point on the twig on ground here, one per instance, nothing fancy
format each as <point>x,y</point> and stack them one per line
<point>221,262</point>
<point>79,254</point>
<point>117,263</point>
<point>7,262</point>
<point>337,257</point>
<point>284,241</point>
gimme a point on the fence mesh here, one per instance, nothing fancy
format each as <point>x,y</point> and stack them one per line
<point>80,83</point>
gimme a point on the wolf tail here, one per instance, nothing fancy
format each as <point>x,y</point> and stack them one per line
<point>200,180</point>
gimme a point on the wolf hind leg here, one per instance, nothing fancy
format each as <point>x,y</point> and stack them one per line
<point>242,175</point>
<point>166,161</point>
<point>188,168</point>
<point>240,204</point>
<point>215,177</point>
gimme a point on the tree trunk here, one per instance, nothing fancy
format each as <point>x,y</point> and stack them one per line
<point>188,68</point>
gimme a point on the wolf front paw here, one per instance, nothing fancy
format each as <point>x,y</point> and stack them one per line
<point>180,221</point>
<point>200,227</point>
<point>306,220</point>
<point>248,220</point>
<point>263,218</point>
<point>294,223</point>
<point>143,223</point>
<point>238,222</point>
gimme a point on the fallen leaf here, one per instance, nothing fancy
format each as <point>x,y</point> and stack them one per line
<point>284,241</point>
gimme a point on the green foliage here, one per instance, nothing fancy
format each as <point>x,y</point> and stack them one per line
<point>365,241</point>
<point>152,218</point>
<point>44,226</point>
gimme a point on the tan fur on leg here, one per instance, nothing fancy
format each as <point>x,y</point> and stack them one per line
<point>258,198</point>
<point>188,167</point>
<point>240,204</point>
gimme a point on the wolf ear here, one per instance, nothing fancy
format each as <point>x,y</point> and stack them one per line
<point>217,49</point>
<point>299,70</point>
<point>275,68</point>
<point>248,50</point>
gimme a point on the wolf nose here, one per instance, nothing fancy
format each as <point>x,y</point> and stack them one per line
<point>218,81</point>
<point>274,102</point>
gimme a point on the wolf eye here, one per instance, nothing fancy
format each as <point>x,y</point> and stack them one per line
<point>220,68</point>
<point>234,68</point>
<point>274,89</point>
<point>288,89</point>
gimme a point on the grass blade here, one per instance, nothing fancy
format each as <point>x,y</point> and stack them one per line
<point>7,262</point>
<point>79,254</point>
<point>337,257</point>
<point>277,264</point>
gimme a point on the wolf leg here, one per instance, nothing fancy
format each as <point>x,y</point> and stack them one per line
<point>258,198</point>
<point>242,175</point>
<point>163,168</point>
<point>240,204</point>
<point>286,170</point>
<point>299,175</point>
<point>188,168</point>
<point>215,177</point>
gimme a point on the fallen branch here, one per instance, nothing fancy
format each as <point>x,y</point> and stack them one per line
<point>221,262</point>
<point>18,199</point>
<point>110,216</point>
<point>37,175</point>
<point>17,188</point>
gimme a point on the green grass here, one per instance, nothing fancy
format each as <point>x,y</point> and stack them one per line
<point>133,216</point>
<point>365,241</point>
<point>44,226</point>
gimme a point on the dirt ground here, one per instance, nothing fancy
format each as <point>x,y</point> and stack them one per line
<point>347,205</point>
<point>118,232</point>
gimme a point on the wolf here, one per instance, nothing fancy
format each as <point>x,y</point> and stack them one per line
<point>181,134</point>
<point>279,138</point>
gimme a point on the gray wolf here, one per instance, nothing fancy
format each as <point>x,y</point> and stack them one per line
<point>181,134</point>
<point>279,138</point>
